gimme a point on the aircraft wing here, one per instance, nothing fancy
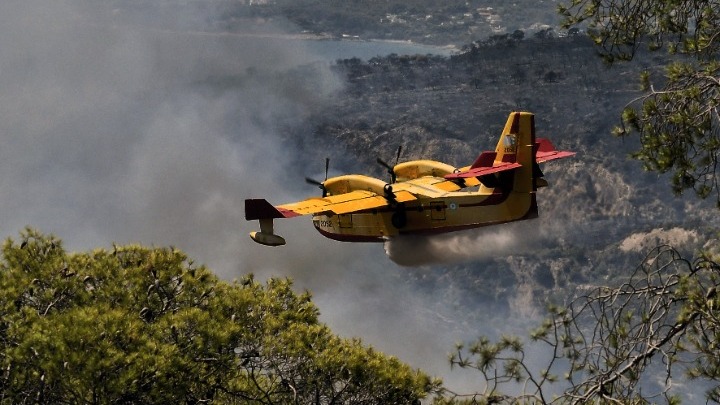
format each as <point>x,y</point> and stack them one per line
<point>357,200</point>
<point>547,152</point>
<point>440,183</point>
<point>428,187</point>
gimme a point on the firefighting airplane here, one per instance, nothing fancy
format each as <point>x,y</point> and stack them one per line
<point>425,196</point>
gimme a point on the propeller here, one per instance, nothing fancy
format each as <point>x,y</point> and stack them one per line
<point>389,168</point>
<point>321,184</point>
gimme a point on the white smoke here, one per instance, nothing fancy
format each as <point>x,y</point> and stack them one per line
<point>109,134</point>
<point>487,242</point>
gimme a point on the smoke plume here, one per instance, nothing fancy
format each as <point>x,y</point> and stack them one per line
<point>495,241</point>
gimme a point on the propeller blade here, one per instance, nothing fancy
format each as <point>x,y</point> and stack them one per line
<point>321,184</point>
<point>389,168</point>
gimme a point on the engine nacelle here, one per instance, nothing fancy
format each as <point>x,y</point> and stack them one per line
<point>421,168</point>
<point>345,184</point>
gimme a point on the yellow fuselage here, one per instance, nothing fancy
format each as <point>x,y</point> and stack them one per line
<point>444,212</point>
<point>436,205</point>
<point>425,196</point>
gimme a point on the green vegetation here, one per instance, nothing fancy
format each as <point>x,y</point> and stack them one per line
<point>145,325</point>
<point>676,118</point>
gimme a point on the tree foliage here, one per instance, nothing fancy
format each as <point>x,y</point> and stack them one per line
<point>146,325</point>
<point>678,121</point>
<point>625,344</point>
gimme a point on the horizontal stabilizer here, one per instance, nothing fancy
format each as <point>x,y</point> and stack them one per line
<point>546,151</point>
<point>484,170</point>
<point>259,208</point>
<point>486,159</point>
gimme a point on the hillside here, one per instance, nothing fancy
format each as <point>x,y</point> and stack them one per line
<point>446,22</point>
<point>455,22</point>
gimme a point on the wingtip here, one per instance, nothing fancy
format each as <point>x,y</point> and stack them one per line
<point>259,208</point>
<point>267,239</point>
